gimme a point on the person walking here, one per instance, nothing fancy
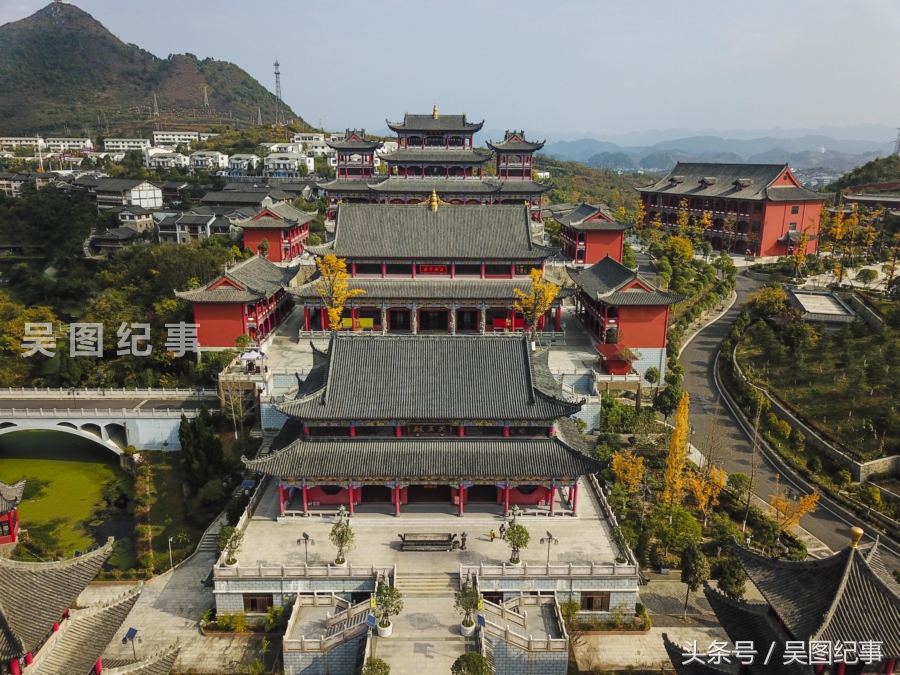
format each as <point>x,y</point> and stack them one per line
<point>492,535</point>
<point>503,531</point>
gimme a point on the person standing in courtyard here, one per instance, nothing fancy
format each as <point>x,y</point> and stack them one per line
<point>492,535</point>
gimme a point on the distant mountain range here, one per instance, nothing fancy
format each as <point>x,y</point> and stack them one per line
<point>801,153</point>
<point>60,69</point>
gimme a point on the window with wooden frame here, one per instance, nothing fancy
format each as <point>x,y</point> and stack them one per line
<point>595,601</point>
<point>257,604</point>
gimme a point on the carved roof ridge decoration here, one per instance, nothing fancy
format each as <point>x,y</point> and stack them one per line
<point>35,595</point>
<point>11,495</point>
<point>434,122</point>
<point>514,141</point>
<point>361,143</point>
<point>427,377</point>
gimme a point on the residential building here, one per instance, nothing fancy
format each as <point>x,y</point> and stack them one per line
<point>756,209</point>
<point>842,602</point>
<point>11,183</point>
<point>241,164</point>
<point>10,498</point>
<point>436,153</point>
<point>254,197</point>
<point>590,233</point>
<point>166,161</point>
<point>125,144</point>
<point>208,160</point>
<point>309,138</point>
<point>110,192</point>
<point>284,228</point>
<point>287,165</point>
<point>70,145</point>
<point>296,148</point>
<point>114,239</point>
<point>305,189</point>
<point>205,136</point>
<point>618,306</point>
<point>172,189</point>
<point>432,269</point>
<point>35,142</point>
<point>175,138</point>
<point>248,299</point>
<point>192,227</point>
<point>136,218</point>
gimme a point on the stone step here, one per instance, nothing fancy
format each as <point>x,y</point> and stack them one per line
<point>344,625</point>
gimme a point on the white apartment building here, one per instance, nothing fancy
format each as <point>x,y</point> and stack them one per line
<point>207,136</point>
<point>296,148</point>
<point>175,138</point>
<point>308,138</point>
<point>166,160</point>
<point>111,192</point>
<point>238,164</point>
<point>22,141</point>
<point>287,164</point>
<point>70,144</point>
<point>125,144</point>
<point>209,160</point>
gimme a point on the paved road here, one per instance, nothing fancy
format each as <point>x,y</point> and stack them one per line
<point>103,403</point>
<point>698,359</point>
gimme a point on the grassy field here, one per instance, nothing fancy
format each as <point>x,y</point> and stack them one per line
<point>64,506</point>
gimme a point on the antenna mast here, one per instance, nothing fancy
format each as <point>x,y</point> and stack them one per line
<point>155,106</point>
<point>259,116</point>
<point>279,111</point>
<point>897,143</point>
<point>205,98</point>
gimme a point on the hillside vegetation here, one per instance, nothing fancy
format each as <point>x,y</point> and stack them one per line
<point>60,67</point>
<point>883,170</point>
<point>574,182</point>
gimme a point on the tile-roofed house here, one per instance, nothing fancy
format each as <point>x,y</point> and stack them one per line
<point>284,228</point>
<point>257,198</point>
<point>10,498</point>
<point>514,141</point>
<point>591,232</point>
<point>136,218</point>
<point>11,495</point>
<point>766,201</point>
<point>111,192</point>
<point>515,156</point>
<point>248,299</point>
<point>193,226</point>
<point>619,306</point>
<point>114,239</point>
<point>435,123</point>
<point>355,141</point>
<point>156,664</point>
<point>34,597</point>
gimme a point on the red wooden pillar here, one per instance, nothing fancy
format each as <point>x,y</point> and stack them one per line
<point>353,269</point>
<point>506,432</point>
<point>306,318</point>
<point>574,497</point>
<point>462,500</point>
<point>506,499</point>
<point>453,270</point>
<point>324,312</point>
<point>14,667</point>
<point>383,270</point>
<point>281,499</point>
<point>482,270</point>
<point>397,499</point>
<point>398,431</point>
<point>552,498</point>
<point>98,667</point>
<point>462,431</point>
<point>890,666</point>
<point>305,501</point>
<point>512,271</point>
<point>29,659</point>
<point>352,432</point>
<point>558,319</point>
<point>350,489</point>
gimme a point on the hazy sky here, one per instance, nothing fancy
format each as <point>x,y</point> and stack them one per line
<point>588,66</point>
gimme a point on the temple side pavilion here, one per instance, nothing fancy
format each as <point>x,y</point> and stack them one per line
<point>413,418</point>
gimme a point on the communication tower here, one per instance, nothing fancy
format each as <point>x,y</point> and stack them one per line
<point>205,98</point>
<point>897,143</point>
<point>279,106</point>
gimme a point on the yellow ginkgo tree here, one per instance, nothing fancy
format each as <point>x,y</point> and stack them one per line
<point>537,301</point>
<point>334,288</point>
<point>676,460</point>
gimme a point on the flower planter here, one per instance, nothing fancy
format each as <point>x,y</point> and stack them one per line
<point>467,631</point>
<point>343,563</point>
<point>232,565</point>
<point>518,563</point>
<point>385,631</point>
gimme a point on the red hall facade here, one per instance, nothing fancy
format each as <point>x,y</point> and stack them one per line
<point>10,498</point>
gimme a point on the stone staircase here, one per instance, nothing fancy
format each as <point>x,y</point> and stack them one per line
<point>208,541</point>
<point>344,625</point>
<point>488,648</point>
<point>425,585</point>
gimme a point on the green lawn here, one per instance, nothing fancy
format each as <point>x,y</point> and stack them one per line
<point>63,505</point>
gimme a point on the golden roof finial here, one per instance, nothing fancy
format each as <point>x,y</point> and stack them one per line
<point>434,114</point>
<point>433,201</point>
<point>856,534</point>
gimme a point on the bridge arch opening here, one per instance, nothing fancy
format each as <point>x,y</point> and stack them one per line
<point>93,429</point>
<point>9,432</point>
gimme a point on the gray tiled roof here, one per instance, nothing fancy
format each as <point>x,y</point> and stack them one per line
<point>484,459</point>
<point>726,180</point>
<point>33,596</point>
<point>364,144</point>
<point>116,234</point>
<point>514,141</point>
<point>793,194</point>
<point>437,155</point>
<point>288,216</point>
<point>11,495</point>
<point>593,218</point>
<point>605,279</point>
<point>837,598</point>
<point>86,635</point>
<point>429,377</point>
<point>117,184</point>
<point>436,289</point>
<point>158,664</point>
<point>678,657</point>
<point>258,277</point>
<point>447,123</point>
<point>397,231</point>
<point>136,210</point>
<point>244,197</point>
<point>400,185</point>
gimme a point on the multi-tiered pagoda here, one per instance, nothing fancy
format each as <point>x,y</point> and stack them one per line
<point>436,153</point>
<point>839,614</point>
<point>405,419</point>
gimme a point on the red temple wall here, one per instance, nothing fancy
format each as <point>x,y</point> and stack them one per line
<point>219,323</point>
<point>777,221</point>
<point>598,245</point>
<point>643,326</point>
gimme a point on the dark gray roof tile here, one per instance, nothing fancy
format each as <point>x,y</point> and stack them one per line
<point>736,181</point>
<point>425,289</point>
<point>593,218</point>
<point>435,122</point>
<point>257,277</point>
<point>157,664</point>
<point>605,280</point>
<point>437,155</point>
<point>514,141</point>
<point>11,495</point>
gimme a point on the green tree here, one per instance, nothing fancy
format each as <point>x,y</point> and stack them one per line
<point>471,663</point>
<point>466,601</point>
<point>677,534</point>
<point>766,533</point>
<point>731,577</point>
<point>694,571</point>
<point>866,276</point>
<point>652,375</point>
<point>376,666</point>
<point>263,248</point>
<point>388,603</point>
<point>343,539</point>
<point>666,400</point>
<point>738,483</point>
<point>517,537</point>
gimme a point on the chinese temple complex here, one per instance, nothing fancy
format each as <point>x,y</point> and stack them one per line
<point>43,635</point>
<point>431,268</point>
<point>248,299</point>
<point>836,610</point>
<point>284,228</point>
<point>10,497</point>
<point>590,233</point>
<point>413,418</point>
<point>436,154</point>
<point>769,209</point>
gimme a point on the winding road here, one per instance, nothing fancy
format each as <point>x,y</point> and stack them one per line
<point>829,522</point>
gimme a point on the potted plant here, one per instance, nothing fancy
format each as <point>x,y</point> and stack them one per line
<point>343,539</point>
<point>517,537</point>
<point>229,541</point>
<point>376,666</point>
<point>467,599</point>
<point>471,663</point>
<point>388,603</point>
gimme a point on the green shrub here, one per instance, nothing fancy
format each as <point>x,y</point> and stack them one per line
<point>142,531</point>
<point>814,464</point>
<point>212,493</point>
<point>843,477</point>
<point>375,666</point>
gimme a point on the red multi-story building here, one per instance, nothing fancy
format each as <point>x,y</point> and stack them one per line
<point>249,299</point>
<point>355,155</point>
<point>10,497</point>
<point>590,233</point>
<point>768,206</point>
<point>436,153</point>
<point>284,228</point>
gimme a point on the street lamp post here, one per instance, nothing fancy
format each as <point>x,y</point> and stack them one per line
<point>549,540</point>
<point>171,564</point>
<point>306,541</point>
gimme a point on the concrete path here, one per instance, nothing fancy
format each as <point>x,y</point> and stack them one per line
<point>825,524</point>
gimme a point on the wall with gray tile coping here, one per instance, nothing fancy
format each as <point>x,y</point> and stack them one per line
<point>511,660</point>
<point>338,661</point>
<point>229,593</point>
<point>271,418</point>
